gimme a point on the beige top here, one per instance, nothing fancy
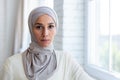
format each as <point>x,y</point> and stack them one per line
<point>67,69</point>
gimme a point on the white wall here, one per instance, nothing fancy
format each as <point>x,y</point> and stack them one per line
<point>8,12</point>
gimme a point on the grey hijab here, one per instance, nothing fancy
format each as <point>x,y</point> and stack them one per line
<point>39,63</point>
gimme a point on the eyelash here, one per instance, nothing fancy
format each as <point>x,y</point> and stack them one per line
<point>40,27</point>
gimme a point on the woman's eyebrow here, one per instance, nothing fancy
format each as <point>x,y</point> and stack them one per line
<point>51,23</point>
<point>38,24</point>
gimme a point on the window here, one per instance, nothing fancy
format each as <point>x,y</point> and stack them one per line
<point>104,38</point>
<point>70,35</point>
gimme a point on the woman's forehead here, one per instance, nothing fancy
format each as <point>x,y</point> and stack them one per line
<point>45,19</point>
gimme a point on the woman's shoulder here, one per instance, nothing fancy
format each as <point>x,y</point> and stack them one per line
<point>13,67</point>
<point>63,54</point>
<point>14,59</point>
<point>60,53</point>
<point>15,56</point>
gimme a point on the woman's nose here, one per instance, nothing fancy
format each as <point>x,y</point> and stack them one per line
<point>45,32</point>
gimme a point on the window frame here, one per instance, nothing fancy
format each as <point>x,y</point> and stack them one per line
<point>92,69</point>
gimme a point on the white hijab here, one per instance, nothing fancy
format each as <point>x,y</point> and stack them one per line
<point>39,63</point>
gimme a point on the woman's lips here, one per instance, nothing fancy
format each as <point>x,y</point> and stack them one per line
<point>45,40</point>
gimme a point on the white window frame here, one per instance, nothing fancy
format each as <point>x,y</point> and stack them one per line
<point>93,70</point>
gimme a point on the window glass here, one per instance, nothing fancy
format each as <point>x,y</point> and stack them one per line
<point>104,34</point>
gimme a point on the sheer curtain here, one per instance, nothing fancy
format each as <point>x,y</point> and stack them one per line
<point>19,28</point>
<point>9,27</point>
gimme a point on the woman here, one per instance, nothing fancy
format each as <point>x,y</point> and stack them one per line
<point>40,61</point>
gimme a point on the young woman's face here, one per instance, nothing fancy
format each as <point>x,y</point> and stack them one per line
<point>44,30</point>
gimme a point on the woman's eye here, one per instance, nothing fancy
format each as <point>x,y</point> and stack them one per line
<point>51,26</point>
<point>38,27</point>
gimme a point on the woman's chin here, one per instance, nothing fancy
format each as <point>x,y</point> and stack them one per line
<point>44,45</point>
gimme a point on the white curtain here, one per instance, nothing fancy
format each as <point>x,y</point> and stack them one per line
<point>8,24</point>
<point>19,28</point>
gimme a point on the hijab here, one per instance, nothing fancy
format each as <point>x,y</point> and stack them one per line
<point>39,63</point>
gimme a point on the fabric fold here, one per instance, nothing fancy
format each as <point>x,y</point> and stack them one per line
<point>39,63</point>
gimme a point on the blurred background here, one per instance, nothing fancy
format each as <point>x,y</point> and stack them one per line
<point>88,29</point>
